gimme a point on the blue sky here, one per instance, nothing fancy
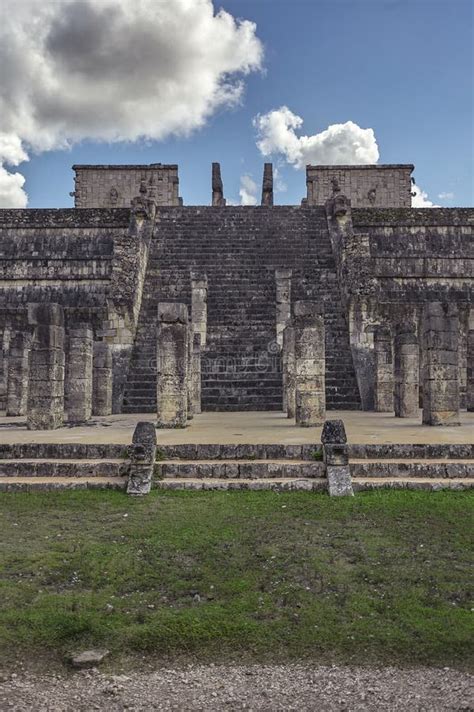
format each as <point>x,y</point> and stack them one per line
<point>403,68</point>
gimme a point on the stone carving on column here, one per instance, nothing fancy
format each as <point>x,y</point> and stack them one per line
<point>172,365</point>
<point>406,374</point>
<point>309,364</point>
<point>102,379</point>
<point>336,458</point>
<point>17,374</point>
<point>142,459</point>
<point>283,302</point>
<point>78,383</point>
<point>218,199</point>
<point>199,305</point>
<point>267,185</point>
<point>383,368</point>
<point>470,371</point>
<point>440,343</point>
<point>288,363</point>
<point>45,403</point>
<point>195,376</point>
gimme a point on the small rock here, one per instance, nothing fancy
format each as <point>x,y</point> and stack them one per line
<point>88,658</point>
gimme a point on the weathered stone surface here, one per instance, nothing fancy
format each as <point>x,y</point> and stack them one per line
<point>172,365</point>
<point>333,432</point>
<point>218,199</point>
<point>310,394</point>
<point>45,400</point>
<point>195,376</point>
<point>339,481</point>
<point>18,374</point>
<point>267,185</point>
<point>102,379</point>
<point>440,336</point>
<point>289,373</point>
<point>470,371</point>
<point>283,302</point>
<point>383,370</point>
<point>79,372</point>
<point>142,454</point>
<point>406,371</point>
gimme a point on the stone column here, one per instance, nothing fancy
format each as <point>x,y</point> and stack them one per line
<point>189,379</point>
<point>102,379</point>
<point>470,371</point>
<point>406,375</point>
<point>383,371</point>
<point>288,362</point>
<point>142,459</point>
<point>17,374</point>
<point>309,364</point>
<point>267,185</point>
<point>283,302</point>
<point>199,305</point>
<point>78,383</point>
<point>45,402</point>
<point>196,374</point>
<point>440,342</point>
<point>218,199</point>
<point>336,458</point>
<point>172,365</point>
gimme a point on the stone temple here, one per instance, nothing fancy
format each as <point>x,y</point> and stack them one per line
<point>135,303</point>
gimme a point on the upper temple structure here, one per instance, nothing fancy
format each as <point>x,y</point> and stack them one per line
<point>132,302</point>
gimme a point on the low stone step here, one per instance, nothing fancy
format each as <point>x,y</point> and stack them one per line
<point>48,484</point>
<point>62,468</point>
<point>278,484</point>
<point>239,469</point>
<point>431,468</point>
<point>360,484</point>
<point>63,451</point>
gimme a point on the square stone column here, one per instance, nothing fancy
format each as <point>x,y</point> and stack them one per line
<point>309,364</point>
<point>196,374</point>
<point>142,459</point>
<point>288,363</point>
<point>406,374</point>
<point>102,379</point>
<point>172,365</point>
<point>17,374</point>
<point>383,366</point>
<point>440,342</point>
<point>189,379</point>
<point>78,384</point>
<point>470,371</point>
<point>283,302</point>
<point>199,305</point>
<point>45,402</point>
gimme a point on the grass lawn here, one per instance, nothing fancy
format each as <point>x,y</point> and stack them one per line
<point>380,578</point>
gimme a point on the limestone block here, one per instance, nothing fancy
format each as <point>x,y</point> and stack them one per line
<point>196,374</point>
<point>406,373</point>
<point>17,375</point>
<point>470,372</point>
<point>102,379</point>
<point>172,365</point>
<point>383,371</point>
<point>339,481</point>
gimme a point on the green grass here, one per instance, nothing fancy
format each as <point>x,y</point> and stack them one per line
<point>379,578</point>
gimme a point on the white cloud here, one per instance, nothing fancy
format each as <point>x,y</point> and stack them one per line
<point>117,70</point>
<point>338,144</point>
<point>278,182</point>
<point>420,199</point>
<point>12,194</point>
<point>446,196</point>
<point>248,191</point>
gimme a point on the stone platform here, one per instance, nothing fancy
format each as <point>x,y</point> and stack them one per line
<point>249,428</point>
<point>227,451</point>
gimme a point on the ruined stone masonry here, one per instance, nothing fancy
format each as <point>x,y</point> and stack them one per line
<point>354,247</point>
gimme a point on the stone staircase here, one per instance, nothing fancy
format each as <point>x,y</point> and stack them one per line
<point>239,248</point>
<point>46,467</point>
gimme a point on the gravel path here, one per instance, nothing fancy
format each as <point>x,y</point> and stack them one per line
<point>254,687</point>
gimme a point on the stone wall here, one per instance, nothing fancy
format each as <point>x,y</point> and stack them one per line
<point>116,186</point>
<point>366,186</point>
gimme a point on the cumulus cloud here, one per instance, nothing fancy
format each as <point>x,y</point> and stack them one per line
<point>338,144</point>
<point>118,70</point>
<point>248,191</point>
<point>420,198</point>
<point>446,196</point>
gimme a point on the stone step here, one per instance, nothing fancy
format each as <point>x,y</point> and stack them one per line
<point>62,468</point>
<point>360,484</point>
<point>48,484</point>
<point>415,468</point>
<point>237,469</point>
<point>63,451</point>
